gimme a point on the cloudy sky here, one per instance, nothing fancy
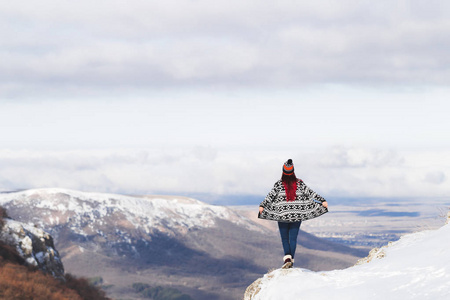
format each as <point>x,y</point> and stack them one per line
<point>183,97</point>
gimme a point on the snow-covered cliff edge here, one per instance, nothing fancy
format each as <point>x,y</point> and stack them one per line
<point>34,245</point>
<point>415,267</point>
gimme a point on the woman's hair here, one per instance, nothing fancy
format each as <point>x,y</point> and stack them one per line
<point>290,185</point>
<point>289,179</point>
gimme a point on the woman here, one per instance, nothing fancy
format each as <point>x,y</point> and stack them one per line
<point>289,203</point>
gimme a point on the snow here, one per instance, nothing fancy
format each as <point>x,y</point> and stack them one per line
<point>415,267</point>
<point>27,245</point>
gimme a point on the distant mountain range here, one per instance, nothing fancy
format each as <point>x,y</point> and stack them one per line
<point>206,251</point>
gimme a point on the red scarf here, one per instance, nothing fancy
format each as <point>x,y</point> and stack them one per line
<point>290,191</point>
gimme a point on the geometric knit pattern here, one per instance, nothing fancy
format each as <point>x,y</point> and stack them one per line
<point>304,207</point>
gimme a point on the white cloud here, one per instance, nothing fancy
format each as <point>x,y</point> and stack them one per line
<point>341,157</point>
<point>100,47</point>
<point>357,172</point>
<point>208,170</point>
<point>435,177</point>
<point>197,80</point>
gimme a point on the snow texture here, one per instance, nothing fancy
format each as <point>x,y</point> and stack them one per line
<point>415,267</point>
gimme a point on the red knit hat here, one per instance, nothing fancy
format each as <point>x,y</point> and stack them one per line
<point>288,167</point>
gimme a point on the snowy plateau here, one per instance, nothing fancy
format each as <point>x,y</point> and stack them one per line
<point>415,267</point>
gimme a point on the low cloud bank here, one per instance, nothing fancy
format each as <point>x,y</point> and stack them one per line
<point>333,172</point>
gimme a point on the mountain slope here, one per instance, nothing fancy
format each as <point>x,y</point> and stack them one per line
<point>209,252</point>
<point>30,266</point>
<point>152,213</point>
<point>415,267</point>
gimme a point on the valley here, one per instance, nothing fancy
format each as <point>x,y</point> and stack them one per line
<point>205,251</point>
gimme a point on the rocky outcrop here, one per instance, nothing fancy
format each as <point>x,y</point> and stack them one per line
<point>34,245</point>
<point>253,290</point>
<point>374,253</point>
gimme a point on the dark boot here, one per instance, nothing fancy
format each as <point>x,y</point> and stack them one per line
<point>287,262</point>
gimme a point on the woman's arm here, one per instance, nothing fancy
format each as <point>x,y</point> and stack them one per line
<point>314,195</point>
<point>269,198</point>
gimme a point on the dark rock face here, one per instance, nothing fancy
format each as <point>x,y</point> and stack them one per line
<point>34,245</point>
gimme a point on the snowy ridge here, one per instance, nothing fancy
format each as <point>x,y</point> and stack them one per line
<point>170,214</point>
<point>415,267</point>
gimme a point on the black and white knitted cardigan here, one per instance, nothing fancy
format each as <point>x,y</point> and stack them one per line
<point>307,204</point>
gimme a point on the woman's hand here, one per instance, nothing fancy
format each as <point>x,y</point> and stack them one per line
<point>261,209</point>
<point>325,204</point>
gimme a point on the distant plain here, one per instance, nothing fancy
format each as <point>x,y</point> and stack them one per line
<point>368,223</point>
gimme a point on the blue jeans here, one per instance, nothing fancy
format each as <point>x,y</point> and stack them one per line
<point>289,233</point>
